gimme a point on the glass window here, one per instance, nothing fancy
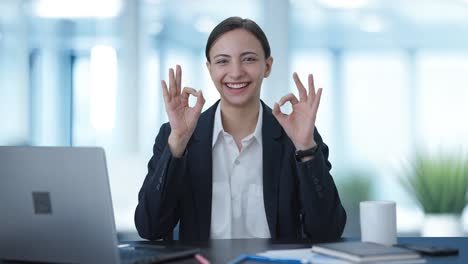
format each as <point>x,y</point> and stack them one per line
<point>83,133</point>
<point>94,100</point>
<point>151,102</point>
<point>377,116</point>
<point>210,92</point>
<point>377,107</point>
<point>442,100</point>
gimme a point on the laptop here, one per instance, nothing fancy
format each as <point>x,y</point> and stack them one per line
<point>56,206</point>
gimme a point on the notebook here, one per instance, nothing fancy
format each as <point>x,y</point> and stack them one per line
<point>56,206</point>
<point>365,252</point>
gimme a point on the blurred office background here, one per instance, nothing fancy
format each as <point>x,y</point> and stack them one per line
<point>394,73</point>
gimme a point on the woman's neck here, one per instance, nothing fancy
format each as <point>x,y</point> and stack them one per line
<point>239,121</point>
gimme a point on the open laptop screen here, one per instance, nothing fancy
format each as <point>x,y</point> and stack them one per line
<point>55,205</point>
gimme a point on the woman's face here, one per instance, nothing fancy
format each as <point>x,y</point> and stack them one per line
<point>238,66</point>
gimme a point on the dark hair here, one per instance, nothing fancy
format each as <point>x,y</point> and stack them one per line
<point>232,23</point>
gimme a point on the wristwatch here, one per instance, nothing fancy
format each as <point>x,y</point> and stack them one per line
<point>306,153</point>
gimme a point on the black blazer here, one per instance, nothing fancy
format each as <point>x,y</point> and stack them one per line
<point>300,197</point>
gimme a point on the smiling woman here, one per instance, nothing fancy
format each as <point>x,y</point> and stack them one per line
<point>238,71</point>
<point>240,169</point>
<point>393,80</point>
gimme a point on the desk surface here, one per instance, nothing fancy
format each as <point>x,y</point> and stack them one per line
<point>222,251</point>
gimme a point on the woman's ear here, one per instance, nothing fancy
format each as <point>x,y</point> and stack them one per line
<point>268,64</point>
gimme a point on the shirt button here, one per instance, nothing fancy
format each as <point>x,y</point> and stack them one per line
<point>160,179</point>
<point>158,186</point>
<point>237,162</point>
<point>316,181</point>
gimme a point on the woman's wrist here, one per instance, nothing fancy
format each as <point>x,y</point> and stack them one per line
<point>177,145</point>
<point>307,154</point>
<point>304,146</point>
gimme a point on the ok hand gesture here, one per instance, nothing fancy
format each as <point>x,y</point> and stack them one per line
<point>300,124</point>
<point>182,118</point>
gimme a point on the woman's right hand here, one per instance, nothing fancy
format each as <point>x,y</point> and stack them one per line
<point>182,118</point>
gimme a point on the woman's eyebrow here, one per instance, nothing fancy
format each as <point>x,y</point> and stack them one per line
<point>242,54</point>
<point>221,55</point>
<point>248,53</point>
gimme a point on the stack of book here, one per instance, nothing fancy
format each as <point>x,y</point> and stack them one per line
<point>368,252</point>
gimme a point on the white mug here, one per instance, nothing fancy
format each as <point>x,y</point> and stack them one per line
<point>378,222</point>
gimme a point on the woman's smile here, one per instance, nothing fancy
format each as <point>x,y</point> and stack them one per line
<point>236,87</point>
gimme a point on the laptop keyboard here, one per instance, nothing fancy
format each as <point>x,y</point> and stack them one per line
<point>142,255</point>
<point>137,256</point>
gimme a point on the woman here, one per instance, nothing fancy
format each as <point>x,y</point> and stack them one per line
<point>240,169</point>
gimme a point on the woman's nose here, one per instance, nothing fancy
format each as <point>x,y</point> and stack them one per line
<point>236,70</point>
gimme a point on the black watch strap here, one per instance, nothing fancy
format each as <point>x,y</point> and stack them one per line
<point>306,153</point>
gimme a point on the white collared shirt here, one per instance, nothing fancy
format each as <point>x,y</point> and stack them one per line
<point>237,208</point>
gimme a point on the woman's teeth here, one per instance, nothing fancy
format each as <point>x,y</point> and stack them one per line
<point>236,85</point>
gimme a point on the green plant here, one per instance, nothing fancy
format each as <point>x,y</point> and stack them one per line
<point>353,187</point>
<point>439,183</point>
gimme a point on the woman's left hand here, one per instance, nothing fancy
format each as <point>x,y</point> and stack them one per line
<point>300,124</point>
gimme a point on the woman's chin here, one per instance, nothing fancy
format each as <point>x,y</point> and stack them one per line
<point>239,101</point>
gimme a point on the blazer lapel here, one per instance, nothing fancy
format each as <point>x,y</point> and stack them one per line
<point>272,152</point>
<point>200,148</point>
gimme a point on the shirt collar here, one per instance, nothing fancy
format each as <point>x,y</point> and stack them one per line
<point>258,129</point>
<point>218,126</point>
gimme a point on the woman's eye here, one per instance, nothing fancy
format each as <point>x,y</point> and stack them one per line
<point>250,59</point>
<point>222,61</point>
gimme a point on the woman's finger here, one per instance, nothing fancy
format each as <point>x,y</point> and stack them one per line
<point>189,90</point>
<point>316,103</point>
<point>198,94</point>
<point>172,83</point>
<point>178,78</point>
<point>200,102</point>
<point>186,92</point>
<point>312,95</point>
<point>278,114</point>
<point>289,97</point>
<point>300,87</point>
<point>165,92</point>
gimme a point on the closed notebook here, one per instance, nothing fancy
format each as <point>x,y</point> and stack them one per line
<point>364,252</point>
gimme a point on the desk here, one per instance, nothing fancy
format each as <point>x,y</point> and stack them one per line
<point>222,251</point>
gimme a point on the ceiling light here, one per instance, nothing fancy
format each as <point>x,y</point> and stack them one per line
<point>77,8</point>
<point>343,3</point>
<point>153,2</point>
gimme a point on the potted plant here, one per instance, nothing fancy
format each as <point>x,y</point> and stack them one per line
<point>439,184</point>
<point>353,186</point>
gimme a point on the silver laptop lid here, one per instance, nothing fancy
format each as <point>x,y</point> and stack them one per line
<point>55,205</point>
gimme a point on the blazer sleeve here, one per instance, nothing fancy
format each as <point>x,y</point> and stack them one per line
<point>158,207</point>
<point>322,215</point>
